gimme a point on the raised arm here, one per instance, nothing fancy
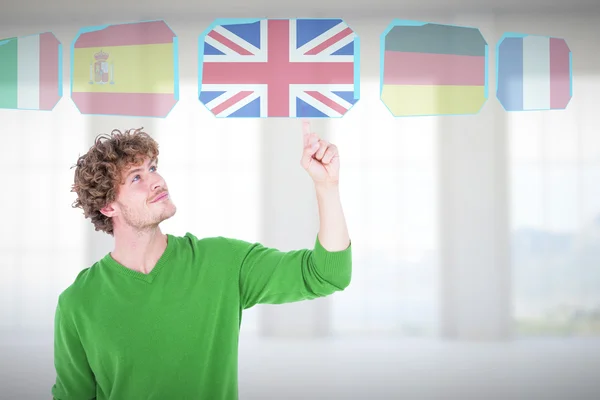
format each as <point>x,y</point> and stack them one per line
<point>74,377</point>
<point>270,276</point>
<point>322,162</point>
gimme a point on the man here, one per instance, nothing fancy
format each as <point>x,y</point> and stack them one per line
<point>159,316</point>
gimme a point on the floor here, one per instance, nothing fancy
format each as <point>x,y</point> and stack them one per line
<point>377,368</point>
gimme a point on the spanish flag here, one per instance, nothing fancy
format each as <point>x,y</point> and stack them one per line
<point>30,72</point>
<point>432,69</point>
<point>127,69</point>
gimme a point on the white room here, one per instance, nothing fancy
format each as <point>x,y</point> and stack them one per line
<point>475,238</point>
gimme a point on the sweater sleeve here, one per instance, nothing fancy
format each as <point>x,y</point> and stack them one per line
<point>271,276</point>
<point>74,377</point>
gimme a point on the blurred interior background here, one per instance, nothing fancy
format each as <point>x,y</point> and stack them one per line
<point>476,238</point>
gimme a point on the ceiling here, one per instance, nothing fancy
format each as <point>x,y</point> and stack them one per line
<point>101,11</point>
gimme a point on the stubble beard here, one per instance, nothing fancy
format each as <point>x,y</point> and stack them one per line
<point>147,221</point>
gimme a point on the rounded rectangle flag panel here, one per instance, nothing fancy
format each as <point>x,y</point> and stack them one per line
<point>127,69</point>
<point>31,72</point>
<point>533,73</point>
<point>290,68</point>
<point>432,69</point>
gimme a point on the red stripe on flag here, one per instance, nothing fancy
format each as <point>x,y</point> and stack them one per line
<point>49,84</point>
<point>327,101</point>
<point>560,74</point>
<point>401,68</point>
<point>128,104</point>
<point>329,42</point>
<point>229,43</point>
<point>228,103</point>
<point>278,71</point>
<point>154,32</point>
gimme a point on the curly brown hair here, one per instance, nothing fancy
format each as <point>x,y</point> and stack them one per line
<point>99,172</point>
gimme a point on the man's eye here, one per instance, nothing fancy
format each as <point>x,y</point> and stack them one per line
<point>136,177</point>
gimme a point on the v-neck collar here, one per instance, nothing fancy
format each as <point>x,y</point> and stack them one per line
<point>149,277</point>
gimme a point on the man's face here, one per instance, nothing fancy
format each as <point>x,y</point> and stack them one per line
<point>143,201</point>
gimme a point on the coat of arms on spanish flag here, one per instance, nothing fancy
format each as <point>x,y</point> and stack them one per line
<point>127,69</point>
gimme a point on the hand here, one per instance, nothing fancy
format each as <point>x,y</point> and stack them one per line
<point>320,159</point>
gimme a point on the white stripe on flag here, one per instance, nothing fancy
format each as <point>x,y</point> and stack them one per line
<point>28,72</point>
<point>536,73</point>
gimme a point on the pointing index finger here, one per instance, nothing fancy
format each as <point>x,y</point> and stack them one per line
<point>306,131</point>
<point>306,126</point>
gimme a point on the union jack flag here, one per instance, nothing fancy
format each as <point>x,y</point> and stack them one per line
<point>279,68</point>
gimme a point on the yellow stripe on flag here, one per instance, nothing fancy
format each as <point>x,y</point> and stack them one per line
<point>128,69</point>
<point>408,100</point>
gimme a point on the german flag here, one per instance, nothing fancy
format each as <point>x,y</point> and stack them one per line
<point>433,69</point>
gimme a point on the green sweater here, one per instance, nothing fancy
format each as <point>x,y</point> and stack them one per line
<point>173,333</point>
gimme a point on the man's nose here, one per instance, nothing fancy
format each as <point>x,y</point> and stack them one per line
<point>158,183</point>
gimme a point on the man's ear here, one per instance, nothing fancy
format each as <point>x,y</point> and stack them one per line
<point>108,210</point>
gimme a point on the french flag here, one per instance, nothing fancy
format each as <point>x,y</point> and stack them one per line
<point>533,73</point>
